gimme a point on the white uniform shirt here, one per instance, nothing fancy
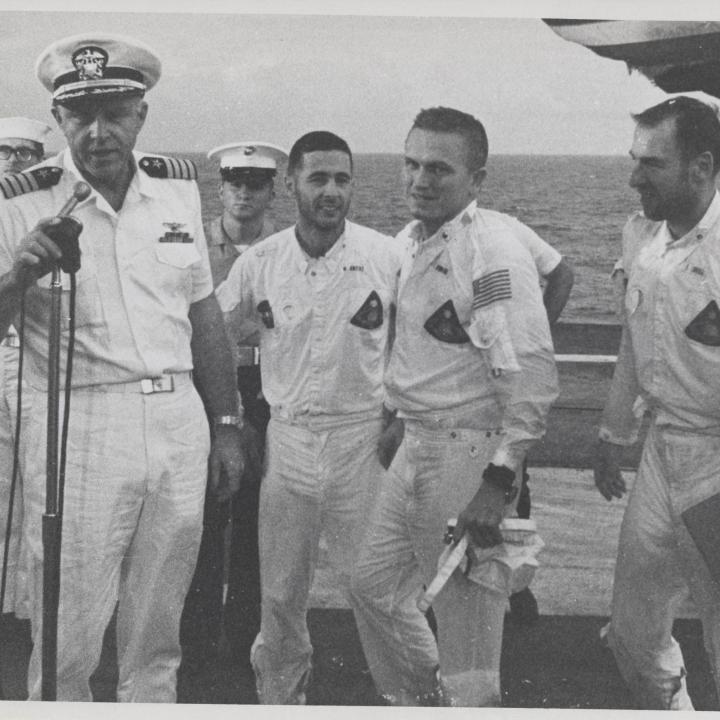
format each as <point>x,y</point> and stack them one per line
<point>544,255</point>
<point>325,321</point>
<point>488,356</point>
<point>672,358</point>
<point>134,287</point>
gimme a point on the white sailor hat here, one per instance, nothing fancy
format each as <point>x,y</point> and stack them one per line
<point>248,158</point>
<point>24,128</point>
<point>97,65</point>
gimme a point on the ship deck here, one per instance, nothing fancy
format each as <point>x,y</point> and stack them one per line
<point>557,662</point>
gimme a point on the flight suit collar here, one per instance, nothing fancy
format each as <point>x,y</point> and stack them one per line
<point>332,257</point>
<point>701,233</point>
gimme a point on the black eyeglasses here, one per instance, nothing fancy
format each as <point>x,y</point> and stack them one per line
<point>21,153</point>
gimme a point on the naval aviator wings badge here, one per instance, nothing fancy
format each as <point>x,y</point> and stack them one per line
<point>175,234</point>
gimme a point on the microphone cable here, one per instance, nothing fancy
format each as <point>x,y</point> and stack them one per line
<point>13,481</point>
<point>16,445</point>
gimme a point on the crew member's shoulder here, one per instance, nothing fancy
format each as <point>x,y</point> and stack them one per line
<point>268,247</point>
<point>496,220</point>
<point>42,177</point>
<point>375,245</point>
<point>167,168</point>
<point>498,233</point>
<point>367,236</point>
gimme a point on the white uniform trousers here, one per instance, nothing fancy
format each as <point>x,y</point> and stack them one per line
<point>658,564</point>
<point>16,599</point>
<point>317,481</point>
<point>135,484</point>
<point>433,476</point>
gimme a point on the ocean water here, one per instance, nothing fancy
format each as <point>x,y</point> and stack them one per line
<point>576,203</point>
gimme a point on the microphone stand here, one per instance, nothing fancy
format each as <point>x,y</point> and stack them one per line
<point>52,519</point>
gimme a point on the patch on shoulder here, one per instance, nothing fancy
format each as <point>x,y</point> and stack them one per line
<point>167,168</point>
<point>41,178</point>
<point>263,250</point>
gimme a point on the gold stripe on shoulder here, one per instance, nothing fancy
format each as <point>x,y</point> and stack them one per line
<point>29,181</point>
<point>168,168</point>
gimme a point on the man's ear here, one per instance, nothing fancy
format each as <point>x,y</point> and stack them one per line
<point>142,112</point>
<point>478,178</point>
<point>55,113</point>
<point>703,166</point>
<point>290,182</point>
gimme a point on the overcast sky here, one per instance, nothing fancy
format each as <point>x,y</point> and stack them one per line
<point>231,76</point>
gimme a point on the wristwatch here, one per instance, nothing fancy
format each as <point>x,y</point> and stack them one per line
<point>502,478</point>
<point>236,420</point>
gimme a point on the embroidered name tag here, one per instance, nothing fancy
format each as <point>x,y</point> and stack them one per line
<point>356,268</point>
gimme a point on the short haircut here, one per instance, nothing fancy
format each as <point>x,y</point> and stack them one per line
<point>697,127</point>
<point>316,141</point>
<point>449,120</point>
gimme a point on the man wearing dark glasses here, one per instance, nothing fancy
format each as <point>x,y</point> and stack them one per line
<point>21,147</point>
<point>247,172</point>
<point>21,143</point>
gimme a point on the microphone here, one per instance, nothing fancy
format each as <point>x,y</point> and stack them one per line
<point>67,232</point>
<point>81,192</point>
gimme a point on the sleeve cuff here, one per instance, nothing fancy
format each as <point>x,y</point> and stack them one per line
<point>607,435</point>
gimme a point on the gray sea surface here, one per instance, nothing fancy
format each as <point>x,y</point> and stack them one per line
<point>577,203</point>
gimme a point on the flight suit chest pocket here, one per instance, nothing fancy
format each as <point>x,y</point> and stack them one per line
<point>370,314</point>
<point>444,325</point>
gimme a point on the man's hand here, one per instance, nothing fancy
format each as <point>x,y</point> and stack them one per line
<point>227,461</point>
<point>482,517</point>
<point>390,441</point>
<point>608,478</point>
<point>37,254</point>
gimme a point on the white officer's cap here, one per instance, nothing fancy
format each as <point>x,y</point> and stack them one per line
<point>256,155</point>
<point>97,65</point>
<point>24,128</point>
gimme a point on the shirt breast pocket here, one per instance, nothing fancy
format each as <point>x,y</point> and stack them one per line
<point>88,310</point>
<point>174,265</point>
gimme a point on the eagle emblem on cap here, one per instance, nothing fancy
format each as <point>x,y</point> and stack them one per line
<point>90,62</point>
<point>249,150</point>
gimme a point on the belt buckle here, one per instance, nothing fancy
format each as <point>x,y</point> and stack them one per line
<point>164,383</point>
<point>248,355</point>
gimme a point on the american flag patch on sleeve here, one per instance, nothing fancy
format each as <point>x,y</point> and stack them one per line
<point>491,287</point>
